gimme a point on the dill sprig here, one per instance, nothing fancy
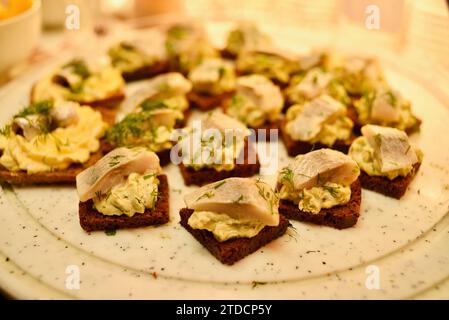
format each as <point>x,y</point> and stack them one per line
<point>115,160</point>
<point>207,195</point>
<point>149,176</point>
<point>6,130</point>
<point>178,32</point>
<point>79,67</point>
<point>149,105</point>
<point>41,107</point>
<point>134,125</point>
<point>287,175</point>
<point>332,190</point>
<point>219,184</point>
<point>238,199</point>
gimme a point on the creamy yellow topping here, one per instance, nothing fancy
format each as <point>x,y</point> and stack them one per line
<point>219,157</point>
<point>189,46</point>
<point>314,199</point>
<point>246,36</point>
<point>138,193</point>
<point>272,66</point>
<point>177,103</point>
<point>126,58</point>
<point>339,128</point>
<point>213,76</point>
<point>250,113</point>
<point>406,119</point>
<point>314,83</point>
<point>140,129</point>
<point>56,150</point>
<point>99,85</point>
<point>223,226</point>
<point>362,153</point>
<point>359,75</point>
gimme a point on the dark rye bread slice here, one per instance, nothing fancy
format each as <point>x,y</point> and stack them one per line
<point>112,101</point>
<point>145,72</point>
<point>208,175</point>
<point>92,220</point>
<point>207,102</point>
<point>339,217</point>
<point>233,250</point>
<point>295,147</point>
<point>226,54</point>
<point>108,114</point>
<point>263,132</point>
<point>67,176</point>
<point>395,188</point>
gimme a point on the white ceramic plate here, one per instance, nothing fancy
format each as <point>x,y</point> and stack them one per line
<point>405,243</point>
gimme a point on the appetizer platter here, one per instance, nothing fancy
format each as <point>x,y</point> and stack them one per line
<point>315,171</point>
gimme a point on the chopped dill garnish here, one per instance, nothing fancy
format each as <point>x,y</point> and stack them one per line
<point>178,32</point>
<point>392,98</point>
<point>99,195</point>
<point>149,105</point>
<point>133,126</point>
<point>238,199</point>
<point>218,185</point>
<point>207,195</point>
<point>79,67</point>
<point>118,207</point>
<point>6,130</point>
<point>292,232</point>
<point>332,190</point>
<point>115,160</point>
<point>257,283</point>
<point>408,149</point>
<point>41,107</point>
<point>266,195</point>
<point>287,175</point>
<point>110,232</point>
<point>148,176</point>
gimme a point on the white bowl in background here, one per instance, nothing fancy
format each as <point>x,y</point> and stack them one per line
<point>19,35</point>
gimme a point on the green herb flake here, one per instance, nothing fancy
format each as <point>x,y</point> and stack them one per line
<point>41,107</point>
<point>408,149</point>
<point>257,283</point>
<point>287,175</point>
<point>6,130</point>
<point>78,67</point>
<point>207,195</point>
<point>149,176</point>
<point>115,160</point>
<point>218,185</point>
<point>332,190</point>
<point>149,105</point>
<point>392,98</point>
<point>110,232</point>
<point>240,198</point>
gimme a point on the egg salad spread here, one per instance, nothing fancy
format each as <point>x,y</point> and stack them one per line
<point>75,81</point>
<point>32,143</point>
<point>135,195</point>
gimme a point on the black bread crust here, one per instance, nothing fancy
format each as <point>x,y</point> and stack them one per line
<point>232,250</point>
<point>339,217</point>
<point>92,220</point>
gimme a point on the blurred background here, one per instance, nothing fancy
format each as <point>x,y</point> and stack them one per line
<point>35,30</point>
